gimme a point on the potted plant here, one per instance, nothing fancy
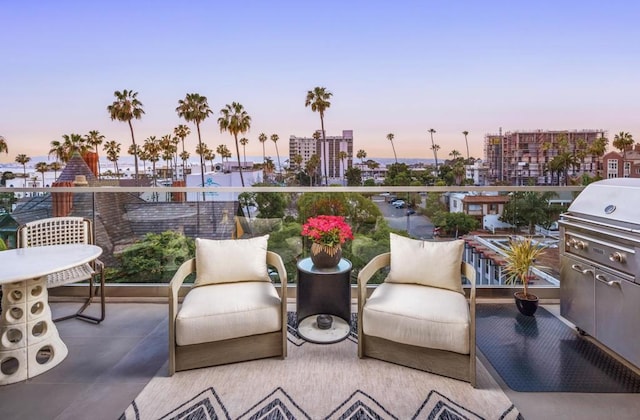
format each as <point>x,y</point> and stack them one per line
<point>520,257</point>
<point>328,233</point>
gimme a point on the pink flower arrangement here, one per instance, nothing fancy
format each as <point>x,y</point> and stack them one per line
<point>329,231</point>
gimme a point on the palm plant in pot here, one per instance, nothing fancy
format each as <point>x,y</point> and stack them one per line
<point>520,257</point>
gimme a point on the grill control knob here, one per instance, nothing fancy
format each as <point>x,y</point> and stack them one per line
<point>570,243</point>
<point>580,245</point>
<point>617,257</point>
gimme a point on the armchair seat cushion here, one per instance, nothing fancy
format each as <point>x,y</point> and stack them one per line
<point>228,310</point>
<point>418,315</point>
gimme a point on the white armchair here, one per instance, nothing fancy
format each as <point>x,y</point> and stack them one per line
<point>419,317</point>
<point>233,312</point>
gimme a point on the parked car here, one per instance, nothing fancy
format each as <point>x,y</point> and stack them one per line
<point>410,212</point>
<point>398,204</point>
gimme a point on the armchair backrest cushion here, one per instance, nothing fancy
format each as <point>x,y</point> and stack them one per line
<point>435,264</point>
<point>231,260</point>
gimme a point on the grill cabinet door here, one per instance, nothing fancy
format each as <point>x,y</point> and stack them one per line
<point>577,294</point>
<point>617,315</point>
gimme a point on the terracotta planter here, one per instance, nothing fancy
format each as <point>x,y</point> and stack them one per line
<point>526,304</point>
<point>324,256</point>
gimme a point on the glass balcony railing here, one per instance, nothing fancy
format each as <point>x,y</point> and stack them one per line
<point>146,233</point>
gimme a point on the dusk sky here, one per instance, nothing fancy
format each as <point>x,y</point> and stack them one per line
<point>393,67</point>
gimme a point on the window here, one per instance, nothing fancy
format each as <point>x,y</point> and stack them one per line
<point>612,168</point>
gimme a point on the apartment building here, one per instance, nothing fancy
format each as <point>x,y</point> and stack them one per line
<point>308,146</point>
<point>522,157</point>
<point>619,165</point>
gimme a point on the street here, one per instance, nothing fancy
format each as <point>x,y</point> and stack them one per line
<point>420,227</point>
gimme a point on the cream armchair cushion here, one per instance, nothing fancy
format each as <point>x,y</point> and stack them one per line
<point>419,316</point>
<point>435,264</point>
<point>228,311</point>
<point>230,261</point>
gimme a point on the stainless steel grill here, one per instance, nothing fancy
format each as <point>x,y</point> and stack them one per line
<point>600,264</point>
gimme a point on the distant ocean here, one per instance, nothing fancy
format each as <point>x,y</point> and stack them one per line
<point>127,161</point>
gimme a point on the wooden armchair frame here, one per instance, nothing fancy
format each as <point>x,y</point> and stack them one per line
<point>441,362</point>
<point>225,351</point>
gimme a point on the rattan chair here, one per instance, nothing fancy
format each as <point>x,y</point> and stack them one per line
<point>62,231</point>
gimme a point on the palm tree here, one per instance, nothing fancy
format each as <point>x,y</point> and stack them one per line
<point>42,167</point>
<point>55,167</point>
<point>297,161</point>
<point>168,148</point>
<point>342,155</point>
<point>318,99</point>
<point>112,148</point>
<point>597,149</point>
<point>23,159</point>
<point>57,149</point>
<point>623,141</point>
<point>434,147</point>
<point>274,139</point>
<point>466,133</point>
<point>201,150</point>
<point>3,145</point>
<point>235,120</point>
<point>95,139</point>
<point>361,155</point>
<point>152,148</point>
<point>244,141</point>
<point>142,155</point>
<point>181,132</point>
<point>312,167</point>
<point>194,108</point>
<point>390,138</point>
<point>125,108</point>
<point>223,151</point>
<point>210,156</point>
<point>455,154</point>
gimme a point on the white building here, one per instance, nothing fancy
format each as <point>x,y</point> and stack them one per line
<point>336,167</point>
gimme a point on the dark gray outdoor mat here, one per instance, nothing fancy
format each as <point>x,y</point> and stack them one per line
<point>543,354</point>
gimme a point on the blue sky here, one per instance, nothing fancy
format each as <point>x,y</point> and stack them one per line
<point>393,67</point>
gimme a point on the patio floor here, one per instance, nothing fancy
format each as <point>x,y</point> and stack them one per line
<point>109,364</point>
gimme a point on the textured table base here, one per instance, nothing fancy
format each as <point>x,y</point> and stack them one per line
<point>29,340</point>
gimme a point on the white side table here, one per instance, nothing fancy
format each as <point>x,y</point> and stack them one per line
<point>29,340</point>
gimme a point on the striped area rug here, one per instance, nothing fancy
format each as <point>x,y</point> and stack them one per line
<point>317,382</point>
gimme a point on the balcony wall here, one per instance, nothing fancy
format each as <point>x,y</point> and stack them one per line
<point>124,216</point>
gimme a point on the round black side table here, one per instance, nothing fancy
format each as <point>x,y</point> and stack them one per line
<point>324,291</point>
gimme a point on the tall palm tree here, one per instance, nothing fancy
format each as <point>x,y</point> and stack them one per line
<point>223,151</point>
<point>318,99</point>
<point>23,159</point>
<point>390,138</point>
<point>342,155</point>
<point>235,120</point>
<point>244,141</point>
<point>95,139</point>
<point>201,150</point>
<point>112,149</point>
<point>597,149</point>
<point>361,155</point>
<point>42,167</point>
<point>136,150</point>
<point>194,108</point>
<point>274,139</point>
<point>58,150</point>
<point>55,167</point>
<point>125,108</point>
<point>3,145</point>
<point>181,132</point>
<point>168,148</point>
<point>623,142</point>
<point>466,133</point>
<point>434,147</point>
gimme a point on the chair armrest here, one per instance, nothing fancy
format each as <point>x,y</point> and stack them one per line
<point>276,262</point>
<point>181,274</point>
<point>378,262</point>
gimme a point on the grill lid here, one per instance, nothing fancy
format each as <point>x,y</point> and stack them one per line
<point>616,200</point>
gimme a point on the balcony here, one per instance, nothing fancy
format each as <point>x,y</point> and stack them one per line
<point>109,365</point>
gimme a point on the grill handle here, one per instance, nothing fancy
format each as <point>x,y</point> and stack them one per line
<point>576,267</point>
<point>610,283</point>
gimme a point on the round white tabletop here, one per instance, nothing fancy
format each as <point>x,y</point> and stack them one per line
<point>28,263</point>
